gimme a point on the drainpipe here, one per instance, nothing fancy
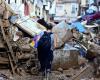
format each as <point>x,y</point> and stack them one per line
<point>79,11</point>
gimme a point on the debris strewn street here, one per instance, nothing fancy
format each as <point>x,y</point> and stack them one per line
<point>49,39</point>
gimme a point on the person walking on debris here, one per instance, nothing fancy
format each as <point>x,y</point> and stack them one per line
<point>45,50</point>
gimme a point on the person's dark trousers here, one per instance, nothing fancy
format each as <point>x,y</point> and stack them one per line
<point>45,65</point>
<point>46,61</point>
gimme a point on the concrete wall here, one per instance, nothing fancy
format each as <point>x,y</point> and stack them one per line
<point>72,9</point>
<point>83,3</point>
<point>66,10</point>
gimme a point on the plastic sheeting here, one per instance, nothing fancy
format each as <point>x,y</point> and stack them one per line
<point>79,26</point>
<point>92,17</point>
<point>69,47</point>
<point>26,9</point>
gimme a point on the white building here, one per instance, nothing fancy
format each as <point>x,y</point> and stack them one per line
<point>66,8</point>
<point>35,7</point>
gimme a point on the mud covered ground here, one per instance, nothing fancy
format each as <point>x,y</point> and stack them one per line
<point>84,73</point>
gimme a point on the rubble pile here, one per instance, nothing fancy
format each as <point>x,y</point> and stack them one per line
<point>76,53</point>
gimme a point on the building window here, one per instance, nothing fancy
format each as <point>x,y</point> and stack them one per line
<point>8,1</point>
<point>15,1</point>
<point>73,9</point>
<point>23,1</point>
<point>99,3</point>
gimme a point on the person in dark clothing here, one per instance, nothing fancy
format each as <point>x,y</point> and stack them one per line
<point>43,22</point>
<point>45,51</point>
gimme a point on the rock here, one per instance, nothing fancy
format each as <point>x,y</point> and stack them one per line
<point>60,70</point>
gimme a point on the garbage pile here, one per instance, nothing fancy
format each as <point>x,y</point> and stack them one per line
<point>14,47</point>
<point>76,42</point>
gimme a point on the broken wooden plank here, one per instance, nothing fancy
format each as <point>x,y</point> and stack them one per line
<point>84,73</point>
